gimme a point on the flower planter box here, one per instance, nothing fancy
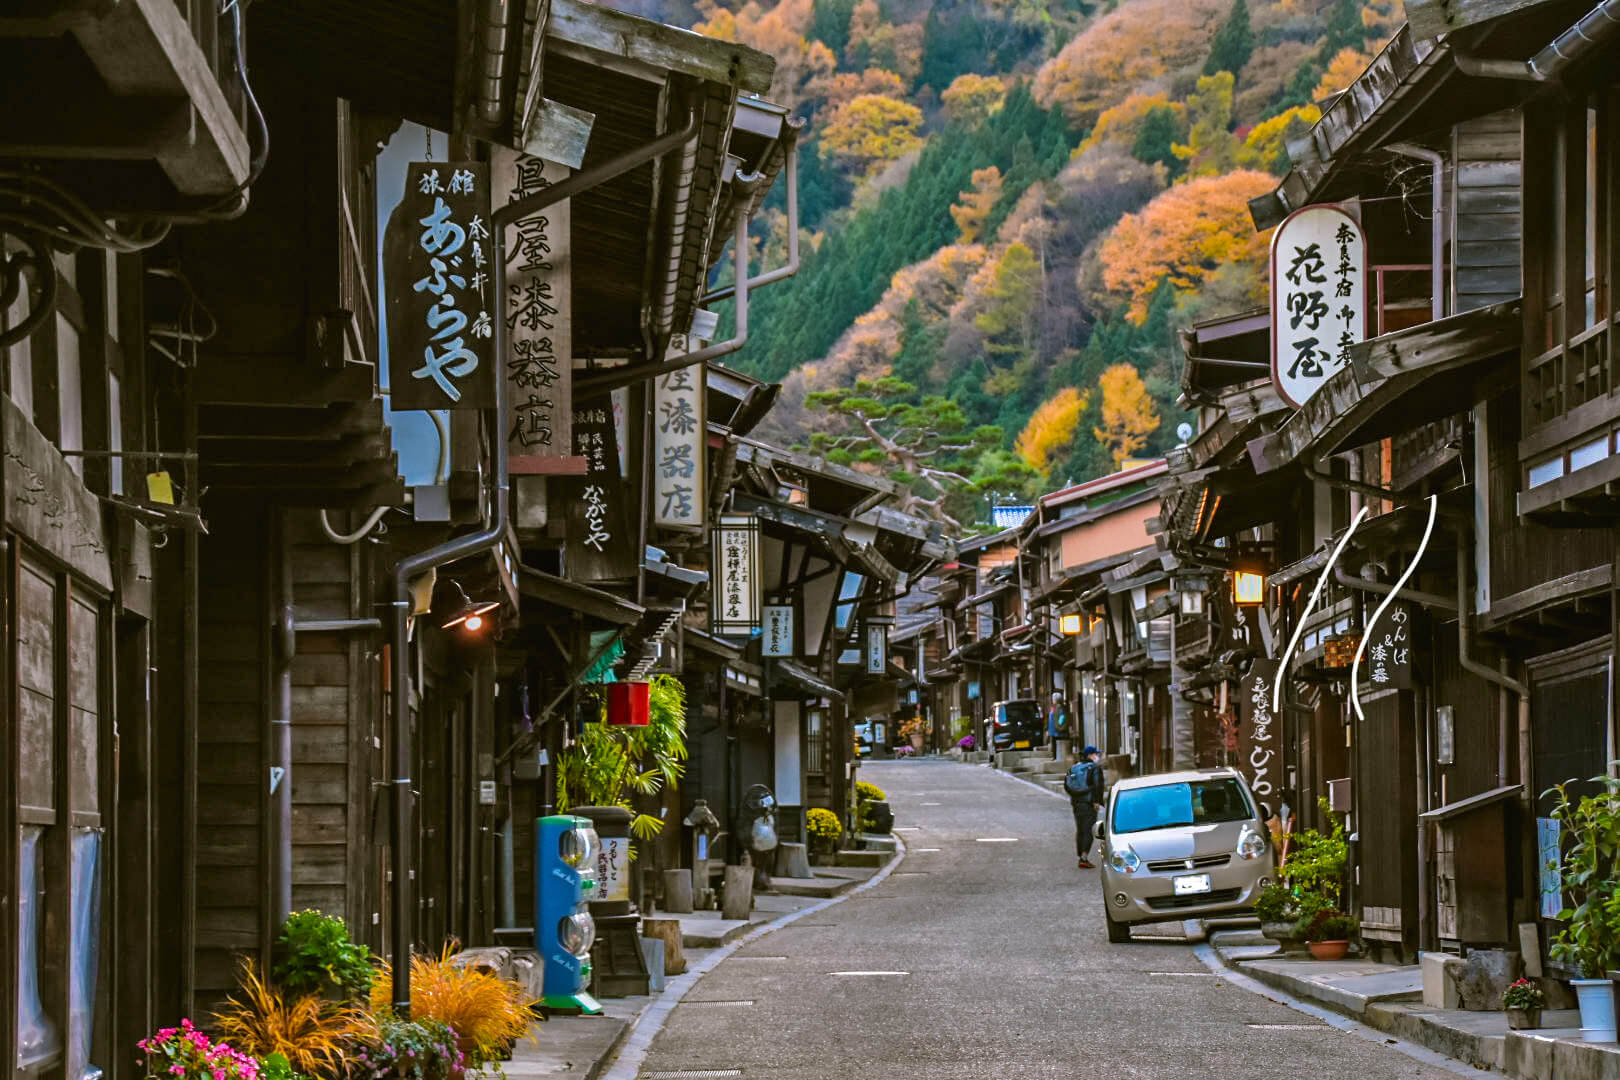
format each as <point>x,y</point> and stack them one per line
<point>1523,1019</point>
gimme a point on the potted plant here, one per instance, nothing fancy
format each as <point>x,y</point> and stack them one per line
<point>314,955</point>
<point>914,729</point>
<point>418,1049</point>
<point>184,1053</point>
<point>872,813</point>
<point>824,829</point>
<point>1277,912</point>
<point>486,1013</point>
<point>1328,934</point>
<point>311,1032</point>
<point>1523,1002</point>
<point>1589,940</point>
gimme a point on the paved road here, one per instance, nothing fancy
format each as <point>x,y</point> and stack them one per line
<point>1007,972</point>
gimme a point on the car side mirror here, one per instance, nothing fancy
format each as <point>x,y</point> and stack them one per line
<point>1265,811</point>
<point>1097,830</point>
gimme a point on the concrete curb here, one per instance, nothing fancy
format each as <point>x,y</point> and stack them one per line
<point>624,1061</point>
<point>1042,788</point>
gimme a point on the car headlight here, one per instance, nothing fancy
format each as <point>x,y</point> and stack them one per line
<point>1251,845</point>
<point>1125,861</point>
<point>577,932</point>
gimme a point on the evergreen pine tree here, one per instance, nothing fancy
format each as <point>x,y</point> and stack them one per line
<point>1234,42</point>
<point>1156,139</point>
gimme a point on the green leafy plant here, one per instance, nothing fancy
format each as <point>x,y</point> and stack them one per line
<point>611,766</point>
<point>1316,860</point>
<point>1590,827</point>
<point>1275,904</point>
<point>1523,994</point>
<point>487,1013</point>
<point>1329,925</point>
<point>865,795</point>
<point>315,955</point>
<point>277,1067</point>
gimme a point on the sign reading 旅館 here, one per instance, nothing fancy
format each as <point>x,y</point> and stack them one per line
<point>1318,298</point>
<point>436,261</point>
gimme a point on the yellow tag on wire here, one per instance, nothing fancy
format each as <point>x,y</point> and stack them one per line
<point>160,488</point>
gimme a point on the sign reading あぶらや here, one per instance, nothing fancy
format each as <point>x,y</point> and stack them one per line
<point>437,267</point>
<point>1318,298</point>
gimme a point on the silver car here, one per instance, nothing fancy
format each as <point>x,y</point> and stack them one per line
<point>1182,845</point>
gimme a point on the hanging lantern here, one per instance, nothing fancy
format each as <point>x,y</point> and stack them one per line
<point>629,704</point>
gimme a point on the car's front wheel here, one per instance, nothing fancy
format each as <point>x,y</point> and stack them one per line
<point>1118,933</point>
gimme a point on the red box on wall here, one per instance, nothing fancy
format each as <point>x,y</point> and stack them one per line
<point>628,704</point>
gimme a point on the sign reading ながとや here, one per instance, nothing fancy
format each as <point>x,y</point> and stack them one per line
<point>1318,298</point>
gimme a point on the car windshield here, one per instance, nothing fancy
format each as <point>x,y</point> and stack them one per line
<point>1199,802</point>
<point>1020,713</point>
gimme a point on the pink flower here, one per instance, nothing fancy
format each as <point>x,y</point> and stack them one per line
<point>178,1070</point>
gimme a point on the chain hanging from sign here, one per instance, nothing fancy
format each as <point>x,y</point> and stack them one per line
<point>539,318</point>
<point>436,252</point>
<point>736,572</point>
<point>1318,298</point>
<point>679,436</point>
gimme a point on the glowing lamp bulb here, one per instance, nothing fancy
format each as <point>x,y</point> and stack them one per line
<point>474,623</point>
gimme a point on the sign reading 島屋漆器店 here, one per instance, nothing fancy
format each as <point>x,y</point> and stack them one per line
<point>1318,298</point>
<point>437,265</point>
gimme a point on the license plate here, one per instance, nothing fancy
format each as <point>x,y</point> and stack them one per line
<point>1193,883</point>
<point>1023,745</point>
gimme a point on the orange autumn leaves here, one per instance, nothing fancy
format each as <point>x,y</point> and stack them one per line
<point>1184,236</point>
<point>1051,428</point>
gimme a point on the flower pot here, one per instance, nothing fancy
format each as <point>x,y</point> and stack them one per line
<point>917,742</point>
<point>1523,1019</point>
<point>1329,950</point>
<point>1596,998</point>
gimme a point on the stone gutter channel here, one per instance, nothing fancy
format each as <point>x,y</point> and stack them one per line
<point>613,1046</point>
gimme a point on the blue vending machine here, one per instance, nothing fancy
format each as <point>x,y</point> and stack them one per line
<point>565,852</point>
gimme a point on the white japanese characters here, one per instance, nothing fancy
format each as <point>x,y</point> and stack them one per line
<point>1318,298</point>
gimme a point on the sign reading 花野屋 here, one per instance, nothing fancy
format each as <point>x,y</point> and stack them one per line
<point>777,631</point>
<point>735,574</point>
<point>436,262</point>
<point>1318,298</point>
<point>678,441</point>
<point>538,367</point>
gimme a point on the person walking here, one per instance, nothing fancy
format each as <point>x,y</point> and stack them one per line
<point>1084,783</point>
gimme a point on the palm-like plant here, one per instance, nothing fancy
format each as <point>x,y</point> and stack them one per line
<point>610,766</point>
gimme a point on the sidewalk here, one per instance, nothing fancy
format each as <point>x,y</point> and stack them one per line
<point>581,1047</point>
<point>1390,999</point>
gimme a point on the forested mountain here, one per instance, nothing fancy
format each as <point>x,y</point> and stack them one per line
<point>1007,209</point>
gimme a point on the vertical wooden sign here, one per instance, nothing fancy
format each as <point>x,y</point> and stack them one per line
<point>735,576</point>
<point>600,545</point>
<point>679,438</point>
<point>436,261</point>
<point>539,321</point>
<point>778,631</point>
<point>1259,734</point>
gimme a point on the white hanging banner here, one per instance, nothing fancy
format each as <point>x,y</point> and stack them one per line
<point>877,649</point>
<point>736,576</point>
<point>1318,298</point>
<point>679,435</point>
<point>778,630</point>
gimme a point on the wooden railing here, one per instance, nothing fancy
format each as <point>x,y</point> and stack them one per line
<point>1568,375</point>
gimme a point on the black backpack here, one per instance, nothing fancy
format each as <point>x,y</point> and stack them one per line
<point>1078,781</point>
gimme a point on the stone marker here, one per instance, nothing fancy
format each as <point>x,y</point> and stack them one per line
<point>1485,976</point>
<point>678,891</point>
<point>792,860</point>
<point>667,931</point>
<point>737,895</point>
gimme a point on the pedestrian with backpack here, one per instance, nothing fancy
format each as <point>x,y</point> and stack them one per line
<point>1084,783</point>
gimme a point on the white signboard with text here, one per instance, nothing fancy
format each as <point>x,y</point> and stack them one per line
<point>877,649</point>
<point>736,565</point>
<point>678,442</point>
<point>1318,298</point>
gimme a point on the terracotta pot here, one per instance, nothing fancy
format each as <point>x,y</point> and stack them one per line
<point>1523,1019</point>
<point>1329,950</point>
<point>917,741</point>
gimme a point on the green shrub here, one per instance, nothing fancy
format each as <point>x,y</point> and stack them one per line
<point>1276,904</point>
<point>315,955</point>
<point>865,792</point>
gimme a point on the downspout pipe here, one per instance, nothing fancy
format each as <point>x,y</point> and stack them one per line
<point>1428,599</point>
<point>495,33</point>
<point>781,273</point>
<point>474,543</point>
<point>1490,674</point>
<point>1437,219</point>
<point>614,378</point>
<point>1588,33</point>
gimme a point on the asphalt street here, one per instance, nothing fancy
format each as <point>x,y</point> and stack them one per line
<point>983,956</point>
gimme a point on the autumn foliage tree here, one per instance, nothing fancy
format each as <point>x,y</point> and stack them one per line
<point>1129,415</point>
<point>973,209</point>
<point>1211,148</point>
<point>1051,428</point>
<point>971,98</point>
<point>1183,236</point>
<point>871,130</point>
<point>779,32</point>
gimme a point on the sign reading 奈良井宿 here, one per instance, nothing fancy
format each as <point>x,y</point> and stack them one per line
<point>735,576</point>
<point>777,631</point>
<point>538,366</point>
<point>678,442</point>
<point>436,261</point>
<point>1318,298</point>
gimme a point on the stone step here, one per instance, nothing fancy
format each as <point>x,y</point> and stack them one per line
<point>874,842</point>
<point>863,858</point>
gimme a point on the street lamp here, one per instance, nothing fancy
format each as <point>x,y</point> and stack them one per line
<point>1248,585</point>
<point>1072,623</point>
<point>468,614</point>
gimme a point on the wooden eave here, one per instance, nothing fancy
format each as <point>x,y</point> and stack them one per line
<point>559,592</point>
<point>1389,387</point>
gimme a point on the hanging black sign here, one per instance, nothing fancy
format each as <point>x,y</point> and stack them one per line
<point>1386,663</point>
<point>600,545</point>
<point>440,279</point>
<point>1259,737</point>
